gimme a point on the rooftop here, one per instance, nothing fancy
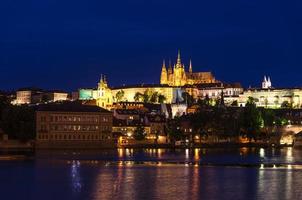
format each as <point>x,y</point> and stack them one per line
<point>70,107</point>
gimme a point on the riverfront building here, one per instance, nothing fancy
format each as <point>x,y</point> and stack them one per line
<point>73,125</point>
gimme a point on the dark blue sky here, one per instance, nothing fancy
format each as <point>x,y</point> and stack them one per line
<point>69,44</point>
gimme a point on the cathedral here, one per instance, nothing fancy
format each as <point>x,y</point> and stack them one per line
<point>179,77</point>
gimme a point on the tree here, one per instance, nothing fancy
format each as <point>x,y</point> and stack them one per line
<point>139,133</point>
<point>235,103</point>
<point>251,119</point>
<point>173,130</point>
<point>161,98</point>
<point>18,122</point>
<point>187,98</point>
<point>286,104</point>
<point>4,103</point>
<point>154,97</point>
<point>138,96</point>
<point>119,95</point>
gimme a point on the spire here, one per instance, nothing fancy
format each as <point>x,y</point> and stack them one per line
<point>163,76</point>
<point>264,79</point>
<point>101,78</point>
<point>190,67</point>
<point>178,59</point>
<point>105,81</point>
<point>164,65</point>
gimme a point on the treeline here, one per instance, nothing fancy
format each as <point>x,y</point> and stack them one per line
<point>249,121</point>
<point>18,122</point>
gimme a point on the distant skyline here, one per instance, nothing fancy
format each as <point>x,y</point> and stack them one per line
<point>68,44</point>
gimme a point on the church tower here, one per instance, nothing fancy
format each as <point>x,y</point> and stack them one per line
<point>104,98</point>
<point>164,75</point>
<point>179,73</point>
<point>170,74</point>
<point>266,83</point>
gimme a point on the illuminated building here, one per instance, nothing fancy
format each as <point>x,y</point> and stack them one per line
<point>270,97</point>
<point>104,98</point>
<point>178,76</point>
<point>178,108</point>
<point>132,90</point>
<point>34,96</point>
<point>73,125</point>
<point>266,83</point>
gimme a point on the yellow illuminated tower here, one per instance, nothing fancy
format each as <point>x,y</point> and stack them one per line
<point>164,75</point>
<point>179,73</point>
<point>104,98</point>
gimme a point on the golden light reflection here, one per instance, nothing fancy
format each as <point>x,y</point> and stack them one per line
<point>159,153</point>
<point>196,154</point>
<point>120,152</point>
<point>243,151</point>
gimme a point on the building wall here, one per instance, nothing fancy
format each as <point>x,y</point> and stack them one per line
<point>272,98</point>
<point>129,93</point>
<point>73,126</point>
<point>23,97</point>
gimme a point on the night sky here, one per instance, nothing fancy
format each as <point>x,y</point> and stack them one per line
<point>68,44</point>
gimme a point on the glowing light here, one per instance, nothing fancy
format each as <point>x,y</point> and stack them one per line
<point>187,153</point>
<point>75,176</point>
<point>261,152</point>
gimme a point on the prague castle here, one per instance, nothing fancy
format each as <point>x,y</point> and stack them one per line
<point>173,83</point>
<point>179,77</point>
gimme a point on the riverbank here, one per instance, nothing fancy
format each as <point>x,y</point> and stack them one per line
<point>12,145</point>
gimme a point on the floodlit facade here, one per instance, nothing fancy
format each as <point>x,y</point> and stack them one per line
<point>178,76</point>
<point>270,97</point>
<point>34,96</point>
<point>273,98</point>
<point>71,125</point>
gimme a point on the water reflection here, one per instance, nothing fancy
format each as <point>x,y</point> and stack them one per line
<point>75,176</point>
<point>157,174</point>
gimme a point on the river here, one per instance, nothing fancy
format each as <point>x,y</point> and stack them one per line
<point>245,173</point>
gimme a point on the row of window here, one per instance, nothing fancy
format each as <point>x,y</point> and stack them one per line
<point>75,128</point>
<point>66,118</point>
<point>214,94</point>
<point>72,137</point>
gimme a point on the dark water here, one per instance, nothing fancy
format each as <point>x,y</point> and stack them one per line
<point>245,173</point>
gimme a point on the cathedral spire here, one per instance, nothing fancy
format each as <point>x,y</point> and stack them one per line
<point>164,75</point>
<point>105,81</point>
<point>178,59</point>
<point>164,65</point>
<point>190,67</point>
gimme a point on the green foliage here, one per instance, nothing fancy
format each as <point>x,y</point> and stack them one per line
<point>119,95</point>
<point>234,103</point>
<point>138,96</point>
<point>268,117</point>
<point>18,122</point>
<point>286,104</point>
<point>187,98</point>
<point>173,130</point>
<point>149,97</point>
<point>154,97</point>
<point>139,133</point>
<point>251,119</point>
<point>161,98</point>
